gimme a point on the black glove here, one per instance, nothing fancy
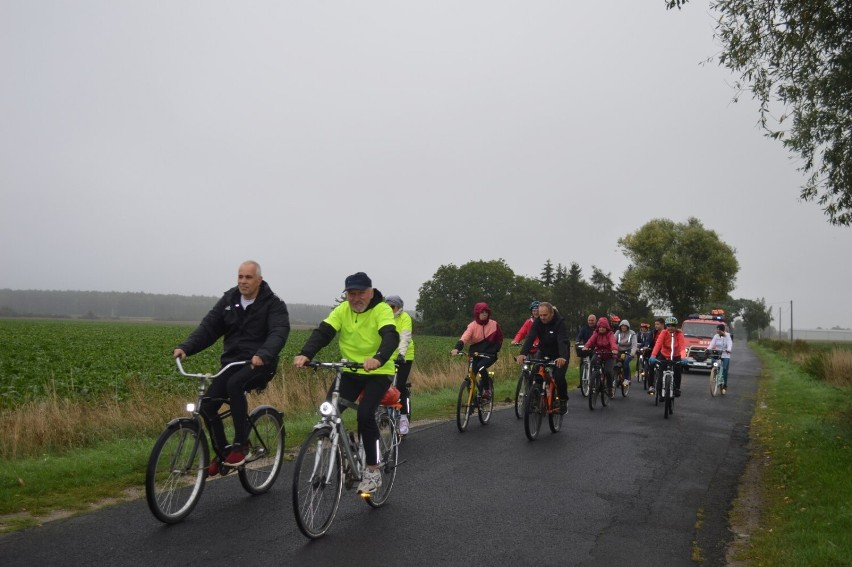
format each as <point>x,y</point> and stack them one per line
<point>400,360</point>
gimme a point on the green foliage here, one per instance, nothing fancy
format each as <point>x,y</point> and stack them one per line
<point>679,267</point>
<point>756,316</point>
<point>797,54</point>
<point>445,302</point>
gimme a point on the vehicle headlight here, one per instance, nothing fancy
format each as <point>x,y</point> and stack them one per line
<point>190,407</point>
<point>326,409</point>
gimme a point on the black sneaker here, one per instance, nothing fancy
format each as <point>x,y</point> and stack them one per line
<point>563,407</point>
<point>677,392</point>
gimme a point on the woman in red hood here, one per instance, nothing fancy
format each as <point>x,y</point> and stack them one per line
<point>483,335</point>
<point>603,344</point>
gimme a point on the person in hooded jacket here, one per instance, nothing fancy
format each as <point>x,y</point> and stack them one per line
<point>404,359</point>
<point>483,335</point>
<point>367,334</point>
<point>255,325</point>
<point>626,341</point>
<point>554,342</point>
<point>603,346</point>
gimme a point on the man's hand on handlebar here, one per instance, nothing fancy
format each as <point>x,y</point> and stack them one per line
<point>300,361</point>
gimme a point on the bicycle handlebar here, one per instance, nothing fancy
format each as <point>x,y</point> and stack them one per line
<point>341,364</point>
<point>207,375</point>
<point>479,354</point>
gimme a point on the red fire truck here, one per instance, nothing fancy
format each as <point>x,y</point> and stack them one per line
<point>698,329</point>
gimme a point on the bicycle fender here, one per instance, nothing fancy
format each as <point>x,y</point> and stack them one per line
<point>258,409</point>
<point>183,422</point>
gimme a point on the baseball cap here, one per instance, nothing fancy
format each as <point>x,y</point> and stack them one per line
<point>358,280</point>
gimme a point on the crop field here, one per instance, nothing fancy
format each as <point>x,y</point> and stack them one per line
<point>88,360</point>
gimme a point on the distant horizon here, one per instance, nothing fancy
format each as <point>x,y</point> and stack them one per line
<point>330,306</point>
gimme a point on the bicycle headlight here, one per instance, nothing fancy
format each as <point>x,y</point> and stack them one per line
<point>326,409</point>
<point>190,407</point>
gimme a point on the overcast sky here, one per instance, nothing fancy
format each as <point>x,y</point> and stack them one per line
<point>154,146</point>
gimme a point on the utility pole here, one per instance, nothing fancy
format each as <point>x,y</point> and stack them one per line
<point>791,320</point>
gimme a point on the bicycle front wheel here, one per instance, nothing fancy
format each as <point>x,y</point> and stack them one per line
<point>603,391</point>
<point>520,395</point>
<point>389,458</point>
<point>535,412</point>
<point>177,468</point>
<point>625,389</point>
<point>317,483</point>
<point>464,405</point>
<point>714,382</point>
<point>585,374</point>
<point>265,451</point>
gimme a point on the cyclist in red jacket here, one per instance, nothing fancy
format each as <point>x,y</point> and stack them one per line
<point>603,344</point>
<point>663,347</point>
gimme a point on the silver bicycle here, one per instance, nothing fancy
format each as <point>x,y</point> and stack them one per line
<point>331,457</point>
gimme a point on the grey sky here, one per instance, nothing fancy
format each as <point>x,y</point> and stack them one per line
<point>153,146</point>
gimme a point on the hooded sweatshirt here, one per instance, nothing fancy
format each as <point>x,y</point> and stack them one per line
<point>603,343</point>
<point>482,336</point>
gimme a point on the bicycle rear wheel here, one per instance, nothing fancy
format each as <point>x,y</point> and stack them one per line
<point>317,483</point>
<point>389,458</point>
<point>464,405</point>
<point>177,468</point>
<point>534,412</point>
<point>265,451</point>
<point>520,394</point>
<point>554,416</point>
<point>585,374</point>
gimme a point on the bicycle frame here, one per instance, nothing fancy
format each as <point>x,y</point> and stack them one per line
<point>331,419</point>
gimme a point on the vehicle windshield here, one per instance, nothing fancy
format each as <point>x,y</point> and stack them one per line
<point>701,330</point>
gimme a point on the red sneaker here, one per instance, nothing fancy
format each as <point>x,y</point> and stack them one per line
<point>213,469</point>
<point>235,458</point>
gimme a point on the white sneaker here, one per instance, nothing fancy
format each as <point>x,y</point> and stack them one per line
<point>403,425</point>
<point>626,383</point>
<point>370,481</point>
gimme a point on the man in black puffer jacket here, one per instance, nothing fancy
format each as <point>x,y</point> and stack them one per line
<point>255,324</point>
<point>554,342</point>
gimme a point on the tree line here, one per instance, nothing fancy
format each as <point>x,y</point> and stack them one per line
<point>127,305</point>
<point>676,268</point>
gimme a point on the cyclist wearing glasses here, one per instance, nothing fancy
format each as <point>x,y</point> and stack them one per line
<point>485,336</point>
<point>550,331</point>
<point>368,335</point>
<point>603,346</point>
<point>663,347</point>
<point>255,325</point>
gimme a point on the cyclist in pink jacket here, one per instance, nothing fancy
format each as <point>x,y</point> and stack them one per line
<point>484,336</point>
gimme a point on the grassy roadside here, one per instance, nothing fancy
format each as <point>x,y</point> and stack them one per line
<point>802,437</point>
<point>34,490</point>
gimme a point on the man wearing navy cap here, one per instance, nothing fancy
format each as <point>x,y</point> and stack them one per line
<point>367,334</point>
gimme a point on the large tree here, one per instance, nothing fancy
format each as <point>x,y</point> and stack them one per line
<point>679,267</point>
<point>756,317</point>
<point>445,303</point>
<point>797,54</point>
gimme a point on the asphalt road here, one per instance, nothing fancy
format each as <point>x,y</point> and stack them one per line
<point>618,486</point>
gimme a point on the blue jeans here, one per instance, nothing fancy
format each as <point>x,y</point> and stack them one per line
<point>725,363</point>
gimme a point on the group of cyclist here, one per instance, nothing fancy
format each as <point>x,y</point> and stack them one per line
<point>375,332</point>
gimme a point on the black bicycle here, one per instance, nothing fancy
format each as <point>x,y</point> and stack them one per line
<point>522,388</point>
<point>178,465</point>
<point>598,387</point>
